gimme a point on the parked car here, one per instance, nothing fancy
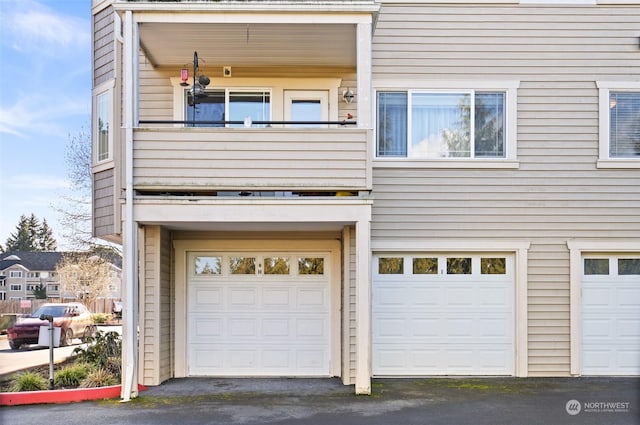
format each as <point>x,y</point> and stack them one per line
<point>117,309</point>
<point>73,318</point>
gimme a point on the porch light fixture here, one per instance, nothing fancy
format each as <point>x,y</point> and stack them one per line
<point>184,76</point>
<point>348,96</point>
<point>198,86</point>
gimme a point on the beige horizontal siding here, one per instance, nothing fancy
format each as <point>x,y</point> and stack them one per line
<point>103,46</point>
<point>239,159</point>
<point>149,310</point>
<point>156,311</point>
<point>103,203</point>
<point>557,193</point>
<point>166,344</point>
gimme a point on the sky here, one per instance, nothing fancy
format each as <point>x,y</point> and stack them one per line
<point>45,98</point>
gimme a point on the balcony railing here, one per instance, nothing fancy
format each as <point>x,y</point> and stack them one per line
<point>275,158</point>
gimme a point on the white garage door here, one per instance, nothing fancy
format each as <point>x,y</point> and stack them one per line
<point>611,316</point>
<point>443,315</point>
<point>258,314</point>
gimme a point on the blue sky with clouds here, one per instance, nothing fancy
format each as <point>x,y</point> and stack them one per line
<point>45,96</point>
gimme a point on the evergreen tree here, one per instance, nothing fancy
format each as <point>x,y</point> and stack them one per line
<point>32,236</point>
<point>21,239</point>
<point>40,292</point>
<point>45,237</point>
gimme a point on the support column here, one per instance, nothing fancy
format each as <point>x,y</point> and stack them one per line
<point>130,228</point>
<point>363,308</point>
<point>364,74</point>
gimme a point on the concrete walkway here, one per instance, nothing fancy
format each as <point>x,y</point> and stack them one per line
<point>27,357</point>
<point>15,360</point>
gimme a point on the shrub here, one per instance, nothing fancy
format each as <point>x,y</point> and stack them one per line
<point>72,376</point>
<point>100,318</point>
<point>29,381</point>
<point>99,378</point>
<point>103,351</point>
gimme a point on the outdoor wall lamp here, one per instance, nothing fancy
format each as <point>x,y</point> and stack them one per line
<point>198,86</point>
<point>348,96</point>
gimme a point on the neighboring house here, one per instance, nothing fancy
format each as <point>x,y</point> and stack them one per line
<point>23,271</point>
<point>477,213</point>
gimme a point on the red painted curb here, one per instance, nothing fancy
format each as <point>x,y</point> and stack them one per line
<point>61,396</point>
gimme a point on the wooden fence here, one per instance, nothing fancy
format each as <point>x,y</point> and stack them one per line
<point>102,305</point>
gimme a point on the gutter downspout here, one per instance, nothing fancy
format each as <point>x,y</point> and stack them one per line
<point>129,389</point>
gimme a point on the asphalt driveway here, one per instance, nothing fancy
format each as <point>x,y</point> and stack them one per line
<point>326,401</point>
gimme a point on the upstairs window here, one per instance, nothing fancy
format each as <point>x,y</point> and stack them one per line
<point>103,123</point>
<point>435,125</point>
<point>624,124</point>
<point>619,124</point>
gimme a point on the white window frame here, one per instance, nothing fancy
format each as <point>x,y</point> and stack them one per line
<point>103,89</point>
<point>3,296</point>
<point>604,88</point>
<point>15,274</point>
<point>15,287</point>
<point>227,104</point>
<point>510,88</point>
<point>276,86</point>
<point>291,95</point>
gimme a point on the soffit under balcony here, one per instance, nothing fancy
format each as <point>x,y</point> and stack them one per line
<point>252,45</point>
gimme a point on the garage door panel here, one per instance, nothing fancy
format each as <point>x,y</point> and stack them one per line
<point>459,297</point>
<point>493,328</point>
<point>629,297</point>
<point>276,327</point>
<point>597,296</point>
<point>246,359</point>
<point>427,327</point>
<point>259,325</point>
<point>276,359</point>
<point>628,329</point>
<point>245,297</point>
<point>205,298</point>
<point>243,327</point>
<point>494,297</point>
<point>390,295</point>
<point>610,321</point>
<point>443,359</point>
<point>442,324</point>
<point>276,297</point>
<point>311,297</point>
<point>207,328</point>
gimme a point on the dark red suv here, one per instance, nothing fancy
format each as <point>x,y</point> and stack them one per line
<point>74,319</point>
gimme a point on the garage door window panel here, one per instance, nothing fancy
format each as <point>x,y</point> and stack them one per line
<point>208,265</point>
<point>242,265</point>
<point>425,265</point>
<point>391,265</point>
<point>311,265</point>
<point>277,265</point>
<point>628,266</point>
<point>459,265</point>
<point>493,265</point>
<point>596,266</point>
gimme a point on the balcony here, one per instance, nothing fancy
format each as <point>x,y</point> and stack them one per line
<point>288,53</point>
<point>274,159</point>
